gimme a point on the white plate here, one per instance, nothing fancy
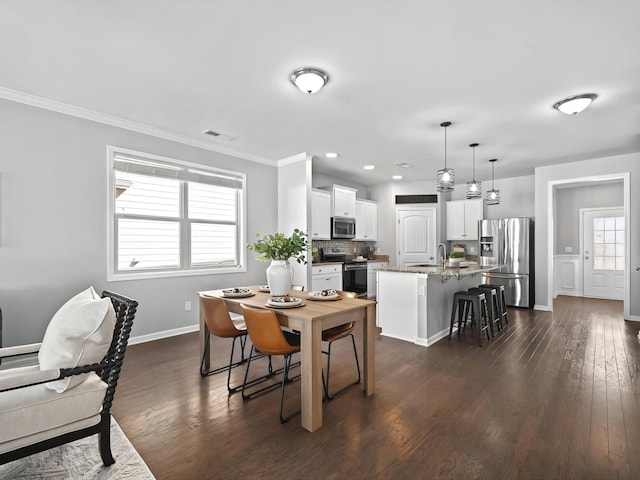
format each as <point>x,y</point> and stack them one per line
<point>231,293</point>
<point>264,289</point>
<point>319,296</point>
<point>297,302</point>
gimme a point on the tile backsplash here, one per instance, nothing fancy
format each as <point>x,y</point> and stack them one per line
<point>352,248</point>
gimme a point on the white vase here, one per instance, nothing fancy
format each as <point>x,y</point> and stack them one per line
<point>279,277</point>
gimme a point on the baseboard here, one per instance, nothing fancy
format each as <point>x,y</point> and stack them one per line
<point>164,334</point>
<point>397,338</point>
<point>568,294</point>
<point>543,308</point>
<point>633,318</point>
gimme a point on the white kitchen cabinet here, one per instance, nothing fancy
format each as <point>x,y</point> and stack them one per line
<point>372,277</point>
<point>366,220</point>
<point>462,219</point>
<point>320,215</point>
<point>326,276</point>
<point>343,201</point>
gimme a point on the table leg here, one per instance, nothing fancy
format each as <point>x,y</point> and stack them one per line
<point>311,371</point>
<point>368,341</point>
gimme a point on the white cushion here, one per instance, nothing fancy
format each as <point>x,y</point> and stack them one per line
<point>79,334</point>
<point>30,410</point>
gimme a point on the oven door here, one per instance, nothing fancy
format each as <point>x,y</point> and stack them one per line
<point>354,278</point>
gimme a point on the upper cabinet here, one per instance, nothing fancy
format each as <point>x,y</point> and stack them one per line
<point>462,219</point>
<point>320,215</point>
<point>343,201</point>
<point>366,220</point>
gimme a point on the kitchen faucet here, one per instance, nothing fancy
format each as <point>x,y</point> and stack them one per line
<point>444,254</point>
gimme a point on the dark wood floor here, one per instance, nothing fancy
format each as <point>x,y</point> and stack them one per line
<point>553,396</point>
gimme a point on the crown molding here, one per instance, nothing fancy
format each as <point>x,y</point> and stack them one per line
<point>298,157</point>
<point>72,110</point>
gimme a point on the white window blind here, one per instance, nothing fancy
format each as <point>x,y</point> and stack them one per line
<point>171,217</point>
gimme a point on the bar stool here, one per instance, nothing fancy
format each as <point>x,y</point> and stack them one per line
<point>494,305</point>
<point>501,300</point>
<point>462,302</point>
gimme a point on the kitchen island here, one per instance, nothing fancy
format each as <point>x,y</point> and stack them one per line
<point>414,303</point>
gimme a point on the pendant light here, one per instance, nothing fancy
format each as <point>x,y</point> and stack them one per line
<point>493,195</point>
<point>474,188</point>
<point>446,177</point>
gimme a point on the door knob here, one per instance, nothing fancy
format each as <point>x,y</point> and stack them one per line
<point>637,268</point>
<point>586,258</point>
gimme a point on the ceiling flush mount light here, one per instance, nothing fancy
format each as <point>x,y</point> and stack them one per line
<point>575,104</point>
<point>309,79</point>
<point>493,195</point>
<point>446,177</point>
<point>369,167</point>
<point>474,188</point>
<point>397,177</point>
<point>331,155</point>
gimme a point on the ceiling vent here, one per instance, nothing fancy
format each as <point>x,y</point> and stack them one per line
<point>403,165</point>
<point>219,135</point>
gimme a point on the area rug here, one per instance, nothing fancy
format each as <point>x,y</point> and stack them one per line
<point>81,460</point>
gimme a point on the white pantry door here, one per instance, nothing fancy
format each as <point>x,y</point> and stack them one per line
<point>416,235</point>
<point>603,253</point>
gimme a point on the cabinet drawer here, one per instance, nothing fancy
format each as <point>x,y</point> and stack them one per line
<point>325,269</point>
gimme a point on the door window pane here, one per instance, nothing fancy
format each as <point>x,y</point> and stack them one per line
<point>608,243</point>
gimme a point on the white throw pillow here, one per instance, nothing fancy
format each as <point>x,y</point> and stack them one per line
<point>79,334</point>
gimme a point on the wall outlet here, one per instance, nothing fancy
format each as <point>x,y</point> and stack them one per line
<point>472,249</point>
<point>187,306</point>
<point>568,249</point>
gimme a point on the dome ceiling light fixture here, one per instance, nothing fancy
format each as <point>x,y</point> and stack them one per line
<point>575,104</point>
<point>493,195</point>
<point>309,79</point>
<point>446,177</point>
<point>474,188</point>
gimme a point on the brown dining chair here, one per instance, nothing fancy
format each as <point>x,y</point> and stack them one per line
<point>336,333</point>
<point>267,337</point>
<point>220,324</point>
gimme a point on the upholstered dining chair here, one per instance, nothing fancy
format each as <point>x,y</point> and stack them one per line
<point>267,337</point>
<point>69,393</point>
<point>330,336</point>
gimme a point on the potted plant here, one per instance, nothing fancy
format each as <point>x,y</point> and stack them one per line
<point>279,248</point>
<point>455,257</point>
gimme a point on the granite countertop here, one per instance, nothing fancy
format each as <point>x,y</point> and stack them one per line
<point>315,264</point>
<point>443,272</point>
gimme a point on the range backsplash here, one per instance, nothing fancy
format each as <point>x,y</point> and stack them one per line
<point>352,248</point>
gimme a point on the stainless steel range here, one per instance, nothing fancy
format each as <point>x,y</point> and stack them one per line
<point>354,274</point>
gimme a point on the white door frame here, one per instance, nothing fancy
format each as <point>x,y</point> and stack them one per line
<point>581,240</point>
<point>551,203</point>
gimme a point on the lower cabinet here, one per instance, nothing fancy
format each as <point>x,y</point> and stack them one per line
<point>326,276</point>
<point>372,278</point>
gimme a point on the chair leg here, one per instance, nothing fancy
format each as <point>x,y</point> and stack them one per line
<point>271,373</point>
<point>232,364</point>
<point>104,440</point>
<point>285,376</point>
<point>355,354</point>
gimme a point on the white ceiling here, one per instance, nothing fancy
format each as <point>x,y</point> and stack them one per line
<point>397,70</point>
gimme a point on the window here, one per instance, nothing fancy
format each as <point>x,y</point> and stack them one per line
<point>171,218</point>
<point>608,243</point>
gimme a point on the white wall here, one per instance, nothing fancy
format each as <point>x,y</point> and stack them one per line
<point>324,180</point>
<point>596,167</point>
<point>53,225</point>
<point>517,197</point>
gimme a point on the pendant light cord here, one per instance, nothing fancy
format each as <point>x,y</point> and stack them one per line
<point>445,148</point>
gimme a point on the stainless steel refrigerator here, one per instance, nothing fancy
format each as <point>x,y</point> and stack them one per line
<point>509,242</point>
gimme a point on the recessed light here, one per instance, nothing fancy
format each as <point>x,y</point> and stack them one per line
<point>369,167</point>
<point>397,177</point>
<point>331,155</point>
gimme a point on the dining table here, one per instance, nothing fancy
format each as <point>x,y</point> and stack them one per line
<point>310,317</point>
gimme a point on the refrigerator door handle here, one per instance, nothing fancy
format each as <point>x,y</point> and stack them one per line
<point>502,275</point>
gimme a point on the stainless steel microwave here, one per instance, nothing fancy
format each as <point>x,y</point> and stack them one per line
<point>343,227</point>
